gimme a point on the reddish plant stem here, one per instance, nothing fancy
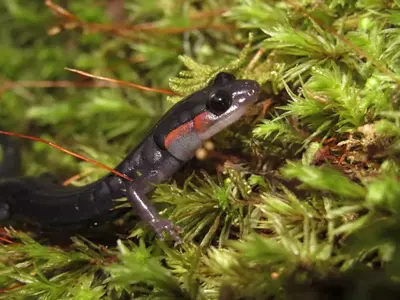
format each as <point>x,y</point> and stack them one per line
<point>137,86</point>
<point>36,139</point>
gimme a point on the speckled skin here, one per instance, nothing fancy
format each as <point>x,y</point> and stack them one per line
<point>151,162</point>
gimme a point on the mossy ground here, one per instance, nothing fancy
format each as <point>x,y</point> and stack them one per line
<point>299,200</point>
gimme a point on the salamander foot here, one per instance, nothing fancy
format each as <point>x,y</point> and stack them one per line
<point>167,226</point>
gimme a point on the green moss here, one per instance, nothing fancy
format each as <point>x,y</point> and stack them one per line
<point>310,210</point>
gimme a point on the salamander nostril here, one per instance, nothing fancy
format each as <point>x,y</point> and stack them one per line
<point>253,88</point>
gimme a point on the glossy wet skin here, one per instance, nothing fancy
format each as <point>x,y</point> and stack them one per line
<point>243,94</point>
<point>213,109</point>
<point>168,146</point>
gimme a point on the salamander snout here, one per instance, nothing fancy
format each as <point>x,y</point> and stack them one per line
<point>250,91</point>
<point>246,92</point>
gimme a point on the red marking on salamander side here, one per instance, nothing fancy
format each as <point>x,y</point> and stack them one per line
<point>178,132</point>
<point>202,122</point>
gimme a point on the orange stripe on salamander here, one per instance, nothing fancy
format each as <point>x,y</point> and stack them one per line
<point>178,132</point>
<point>202,122</point>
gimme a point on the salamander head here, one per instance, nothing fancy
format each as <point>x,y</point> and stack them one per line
<point>205,113</point>
<point>228,99</point>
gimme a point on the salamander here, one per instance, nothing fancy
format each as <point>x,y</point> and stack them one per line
<point>171,143</point>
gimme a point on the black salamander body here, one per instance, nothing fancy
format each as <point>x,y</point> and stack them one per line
<point>167,147</point>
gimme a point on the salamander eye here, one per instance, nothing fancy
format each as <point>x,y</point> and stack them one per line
<point>219,102</point>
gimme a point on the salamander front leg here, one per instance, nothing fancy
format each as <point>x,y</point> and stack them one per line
<point>148,213</point>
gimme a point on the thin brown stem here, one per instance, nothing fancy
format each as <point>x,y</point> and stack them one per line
<point>36,139</point>
<point>120,82</point>
<point>72,21</point>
